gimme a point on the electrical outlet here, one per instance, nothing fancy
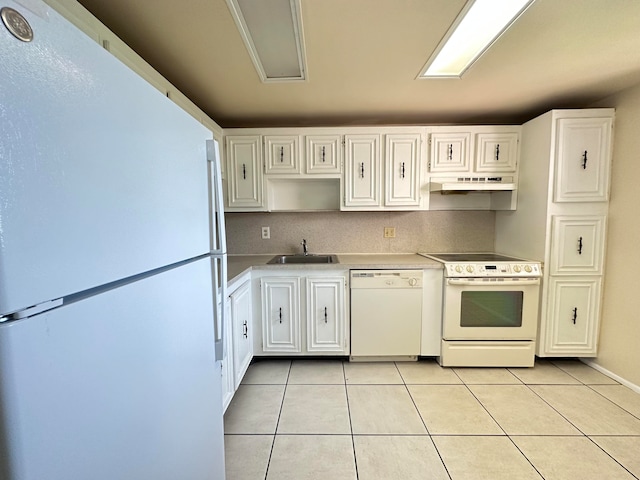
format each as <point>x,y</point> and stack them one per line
<point>389,232</point>
<point>266,232</point>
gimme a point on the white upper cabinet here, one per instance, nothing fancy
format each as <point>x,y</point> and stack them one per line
<point>323,154</point>
<point>583,154</point>
<point>474,150</point>
<point>402,169</point>
<point>496,152</point>
<point>362,172</point>
<point>450,151</point>
<point>282,154</point>
<point>244,172</point>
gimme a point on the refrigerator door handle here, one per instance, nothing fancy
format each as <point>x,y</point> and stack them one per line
<point>220,295</point>
<point>219,238</point>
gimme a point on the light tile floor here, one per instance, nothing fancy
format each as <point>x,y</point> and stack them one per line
<point>334,420</point>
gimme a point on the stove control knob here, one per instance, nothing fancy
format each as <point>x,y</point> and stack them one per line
<point>459,268</point>
<point>517,268</point>
<point>469,268</point>
<point>527,268</point>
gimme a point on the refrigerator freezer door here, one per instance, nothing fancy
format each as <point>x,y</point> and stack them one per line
<point>101,176</point>
<point>122,385</point>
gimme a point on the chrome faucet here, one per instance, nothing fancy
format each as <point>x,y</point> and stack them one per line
<point>304,247</point>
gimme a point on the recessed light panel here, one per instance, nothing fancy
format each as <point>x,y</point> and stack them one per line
<point>272,33</point>
<point>479,24</point>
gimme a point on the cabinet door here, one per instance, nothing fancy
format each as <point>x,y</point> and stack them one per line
<point>402,170</point>
<point>577,245</point>
<point>362,174</point>
<point>326,318</point>
<point>323,154</point>
<point>496,152</point>
<point>583,158</point>
<point>280,314</point>
<point>228,381</point>
<point>572,316</point>
<point>283,154</point>
<point>244,160</point>
<point>450,152</point>
<point>242,331</point>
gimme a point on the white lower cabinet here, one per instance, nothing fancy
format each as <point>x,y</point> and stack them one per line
<point>572,317</point>
<point>240,301</point>
<point>238,338</point>
<point>228,380</point>
<point>325,314</point>
<point>280,314</point>
<point>308,305</point>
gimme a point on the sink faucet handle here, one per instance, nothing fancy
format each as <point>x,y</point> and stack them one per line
<point>304,247</point>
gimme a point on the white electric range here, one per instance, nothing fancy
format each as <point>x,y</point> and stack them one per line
<point>490,309</point>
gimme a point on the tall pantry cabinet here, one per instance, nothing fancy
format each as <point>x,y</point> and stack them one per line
<point>561,221</point>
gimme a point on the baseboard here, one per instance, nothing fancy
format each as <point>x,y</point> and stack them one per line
<point>617,378</point>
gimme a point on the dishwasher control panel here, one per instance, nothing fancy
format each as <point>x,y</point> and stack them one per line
<point>386,279</point>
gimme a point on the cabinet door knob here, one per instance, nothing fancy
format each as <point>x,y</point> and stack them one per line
<point>402,170</point>
<point>450,152</point>
<point>575,315</point>
<point>244,171</point>
<point>280,315</point>
<point>245,329</point>
<point>281,154</point>
<point>584,160</point>
<point>362,170</point>
<point>497,152</point>
<point>325,315</point>
<point>322,154</point>
<point>580,246</point>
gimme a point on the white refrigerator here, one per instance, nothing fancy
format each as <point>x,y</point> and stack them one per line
<point>112,261</point>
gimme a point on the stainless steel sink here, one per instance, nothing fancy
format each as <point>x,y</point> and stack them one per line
<point>302,259</point>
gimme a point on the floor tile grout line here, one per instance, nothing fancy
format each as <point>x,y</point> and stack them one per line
<point>555,409</point>
<point>611,456</point>
<point>353,441</point>
<point>444,465</point>
<point>590,387</point>
<point>275,433</point>
<point>582,382</point>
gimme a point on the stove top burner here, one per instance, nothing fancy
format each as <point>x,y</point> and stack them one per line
<point>485,265</point>
<point>473,257</point>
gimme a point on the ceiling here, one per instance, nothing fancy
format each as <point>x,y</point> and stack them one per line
<point>363,57</point>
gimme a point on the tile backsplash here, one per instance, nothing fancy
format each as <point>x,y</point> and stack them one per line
<point>361,232</point>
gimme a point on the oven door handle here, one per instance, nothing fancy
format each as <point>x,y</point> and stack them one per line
<point>510,282</point>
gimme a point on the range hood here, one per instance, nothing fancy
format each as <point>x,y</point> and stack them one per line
<point>471,184</point>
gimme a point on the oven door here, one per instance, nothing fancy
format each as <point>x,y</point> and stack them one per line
<point>490,308</point>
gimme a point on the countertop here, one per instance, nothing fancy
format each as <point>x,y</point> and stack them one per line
<point>239,264</point>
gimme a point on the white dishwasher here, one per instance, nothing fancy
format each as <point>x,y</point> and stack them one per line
<point>386,314</point>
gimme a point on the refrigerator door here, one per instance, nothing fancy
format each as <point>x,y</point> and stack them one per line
<point>122,385</point>
<point>101,176</point>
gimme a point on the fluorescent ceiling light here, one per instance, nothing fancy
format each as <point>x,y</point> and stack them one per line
<point>272,33</point>
<point>479,24</point>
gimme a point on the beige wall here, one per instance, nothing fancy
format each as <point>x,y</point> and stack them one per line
<point>361,232</point>
<point>619,350</point>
